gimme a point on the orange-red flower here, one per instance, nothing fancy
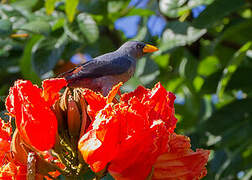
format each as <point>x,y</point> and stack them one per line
<point>180,161</point>
<point>8,170</point>
<point>30,106</point>
<point>12,171</point>
<point>5,139</point>
<point>134,138</point>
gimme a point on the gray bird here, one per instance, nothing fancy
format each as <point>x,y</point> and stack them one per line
<point>105,71</point>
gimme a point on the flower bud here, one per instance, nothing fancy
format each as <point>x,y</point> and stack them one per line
<point>85,120</point>
<point>19,153</point>
<point>73,118</point>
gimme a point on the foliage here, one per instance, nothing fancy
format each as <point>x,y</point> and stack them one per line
<point>205,59</point>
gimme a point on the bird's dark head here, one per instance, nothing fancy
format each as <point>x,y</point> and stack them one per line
<point>137,49</point>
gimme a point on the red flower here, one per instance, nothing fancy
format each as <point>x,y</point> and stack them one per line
<point>5,138</point>
<point>180,162</point>
<point>8,169</point>
<point>11,170</point>
<point>134,136</point>
<point>30,106</point>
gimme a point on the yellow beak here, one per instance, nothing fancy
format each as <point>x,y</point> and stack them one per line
<point>149,48</point>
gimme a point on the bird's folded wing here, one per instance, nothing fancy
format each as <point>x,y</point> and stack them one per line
<point>98,68</point>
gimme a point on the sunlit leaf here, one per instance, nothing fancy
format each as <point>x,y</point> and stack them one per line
<point>179,34</point>
<point>37,27</point>
<point>231,68</point>
<point>49,5</point>
<point>171,8</point>
<point>88,27</point>
<point>70,9</point>
<point>208,66</point>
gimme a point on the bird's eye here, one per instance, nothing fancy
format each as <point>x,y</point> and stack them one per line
<point>139,46</point>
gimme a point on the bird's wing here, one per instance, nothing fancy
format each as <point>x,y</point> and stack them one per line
<point>98,67</point>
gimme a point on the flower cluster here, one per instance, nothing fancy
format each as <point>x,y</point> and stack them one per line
<point>36,127</point>
<point>131,136</point>
<point>134,138</point>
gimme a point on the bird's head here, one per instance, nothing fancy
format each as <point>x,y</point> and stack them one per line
<point>137,49</point>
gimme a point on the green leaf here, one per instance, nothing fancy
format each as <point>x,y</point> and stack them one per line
<point>37,27</point>
<point>140,12</point>
<point>115,6</point>
<point>188,66</point>
<point>171,8</point>
<point>179,34</point>
<point>233,128</point>
<point>208,66</point>
<point>25,4</point>
<point>46,53</point>
<point>70,9</point>
<point>216,11</point>
<point>88,27</point>
<point>5,28</point>
<point>237,32</point>
<point>49,5</point>
<point>25,62</point>
<point>231,68</point>
<point>240,80</point>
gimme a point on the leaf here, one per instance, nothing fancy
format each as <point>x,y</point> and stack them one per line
<point>70,9</point>
<point>49,5</point>
<point>25,4</point>
<point>188,66</point>
<point>240,80</point>
<point>88,27</point>
<point>25,62</point>
<point>37,27</point>
<point>216,11</point>
<point>231,68</point>
<point>115,6</point>
<point>140,12</point>
<point>146,73</point>
<point>5,28</point>
<point>179,34</point>
<point>208,66</point>
<point>231,123</point>
<point>171,8</point>
<point>237,32</point>
<point>46,53</point>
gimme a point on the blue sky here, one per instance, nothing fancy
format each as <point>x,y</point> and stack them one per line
<point>155,24</point>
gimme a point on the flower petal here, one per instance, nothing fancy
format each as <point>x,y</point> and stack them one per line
<point>139,93</point>
<point>111,95</point>
<point>5,138</point>
<point>138,153</point>
<point>160,102</point>
<point>35,120</point>
<point>10,170</point>
<point>98,145</point>
<point>180,162</point>
<point>95,101</point>
<point>51,88</point>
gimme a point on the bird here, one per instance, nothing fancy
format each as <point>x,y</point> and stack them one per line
<point>103,72</point>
